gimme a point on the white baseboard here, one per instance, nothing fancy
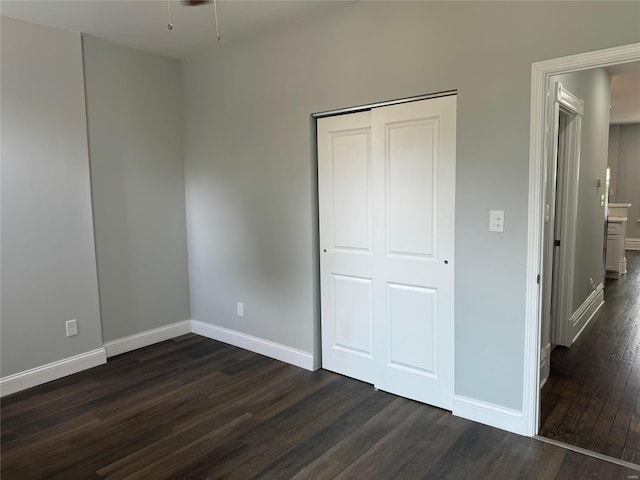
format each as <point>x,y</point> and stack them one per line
<point>144,339</point>
<point>587,311</point>
<point>51,371</point>
<point>258,345</point>
<point>62,368</point>
<point>488,414</point>
<point>632,244</point>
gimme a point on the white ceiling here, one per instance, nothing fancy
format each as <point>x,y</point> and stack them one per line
<point>142,24</point>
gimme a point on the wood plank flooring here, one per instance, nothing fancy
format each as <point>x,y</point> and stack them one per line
<point>592,397</point>
<point>194,408</point>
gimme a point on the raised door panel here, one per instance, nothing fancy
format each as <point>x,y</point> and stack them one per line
<point>410,187</point>
<point>350,178</point>
<point>353,315</point>
<point>412,335</point>
<point>611,253</point>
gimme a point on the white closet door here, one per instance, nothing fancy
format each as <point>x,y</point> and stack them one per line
<point>346,284</point>
<point>386,181</point>
<point>413,153</point>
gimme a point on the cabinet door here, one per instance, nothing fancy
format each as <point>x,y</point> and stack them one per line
<point>611,252</point>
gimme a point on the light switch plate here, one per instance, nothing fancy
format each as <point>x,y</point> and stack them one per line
<point>71,327</point>
<point>496,221</point>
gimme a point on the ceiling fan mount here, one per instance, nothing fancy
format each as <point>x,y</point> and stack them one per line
<point>195,3</point>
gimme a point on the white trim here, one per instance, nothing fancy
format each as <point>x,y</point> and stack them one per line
<point>144,339</point>
<point>531,382</point>
<point>540,72</point>
<point>632,244</point>
<point>587,311</point>
<point>51,371</point>
<point>568,103</point>
<point>278,351</point>
<point>488,414</point>
<point>62,368</point>
<point>568,100</point>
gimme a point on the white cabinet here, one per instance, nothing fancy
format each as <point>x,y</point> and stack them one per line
<point>616,262</point>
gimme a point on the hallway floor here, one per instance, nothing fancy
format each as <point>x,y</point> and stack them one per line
<point>592,398</point>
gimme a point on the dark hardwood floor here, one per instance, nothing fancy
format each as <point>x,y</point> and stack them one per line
<point>592,397</point>
<point>194,408</point>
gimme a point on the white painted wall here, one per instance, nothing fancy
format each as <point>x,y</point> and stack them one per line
<point>628,184</point>
<point>251,172</point>
<point>594,87</point>
<point>132,166</point>
<point>48,258</point>
<point>135,118</point>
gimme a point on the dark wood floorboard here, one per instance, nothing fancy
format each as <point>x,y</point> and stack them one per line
<point>194,408</point>
<point>592,397</point>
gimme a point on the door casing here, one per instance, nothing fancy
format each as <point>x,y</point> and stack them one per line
<point>540,76</point>
<point>569,108</point>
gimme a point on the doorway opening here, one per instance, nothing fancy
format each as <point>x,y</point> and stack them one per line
<point>541,73</point>
<point>563,167</point>
<point>591,398</point>
<point>564,119</point>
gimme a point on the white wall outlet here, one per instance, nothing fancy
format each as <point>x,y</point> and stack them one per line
<point>496,221</point>
<point>72,327</point>
<point>240,309</point>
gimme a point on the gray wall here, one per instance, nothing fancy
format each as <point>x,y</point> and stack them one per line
<point>48,259</point>
<point>612,160</point>
<point>250,172</point>
<point>628,186</point>
<point>135,117</point>
<point>594,87</point>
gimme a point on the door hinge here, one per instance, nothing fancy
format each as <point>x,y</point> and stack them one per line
<point>538,279</point>
<point>556,243</point>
